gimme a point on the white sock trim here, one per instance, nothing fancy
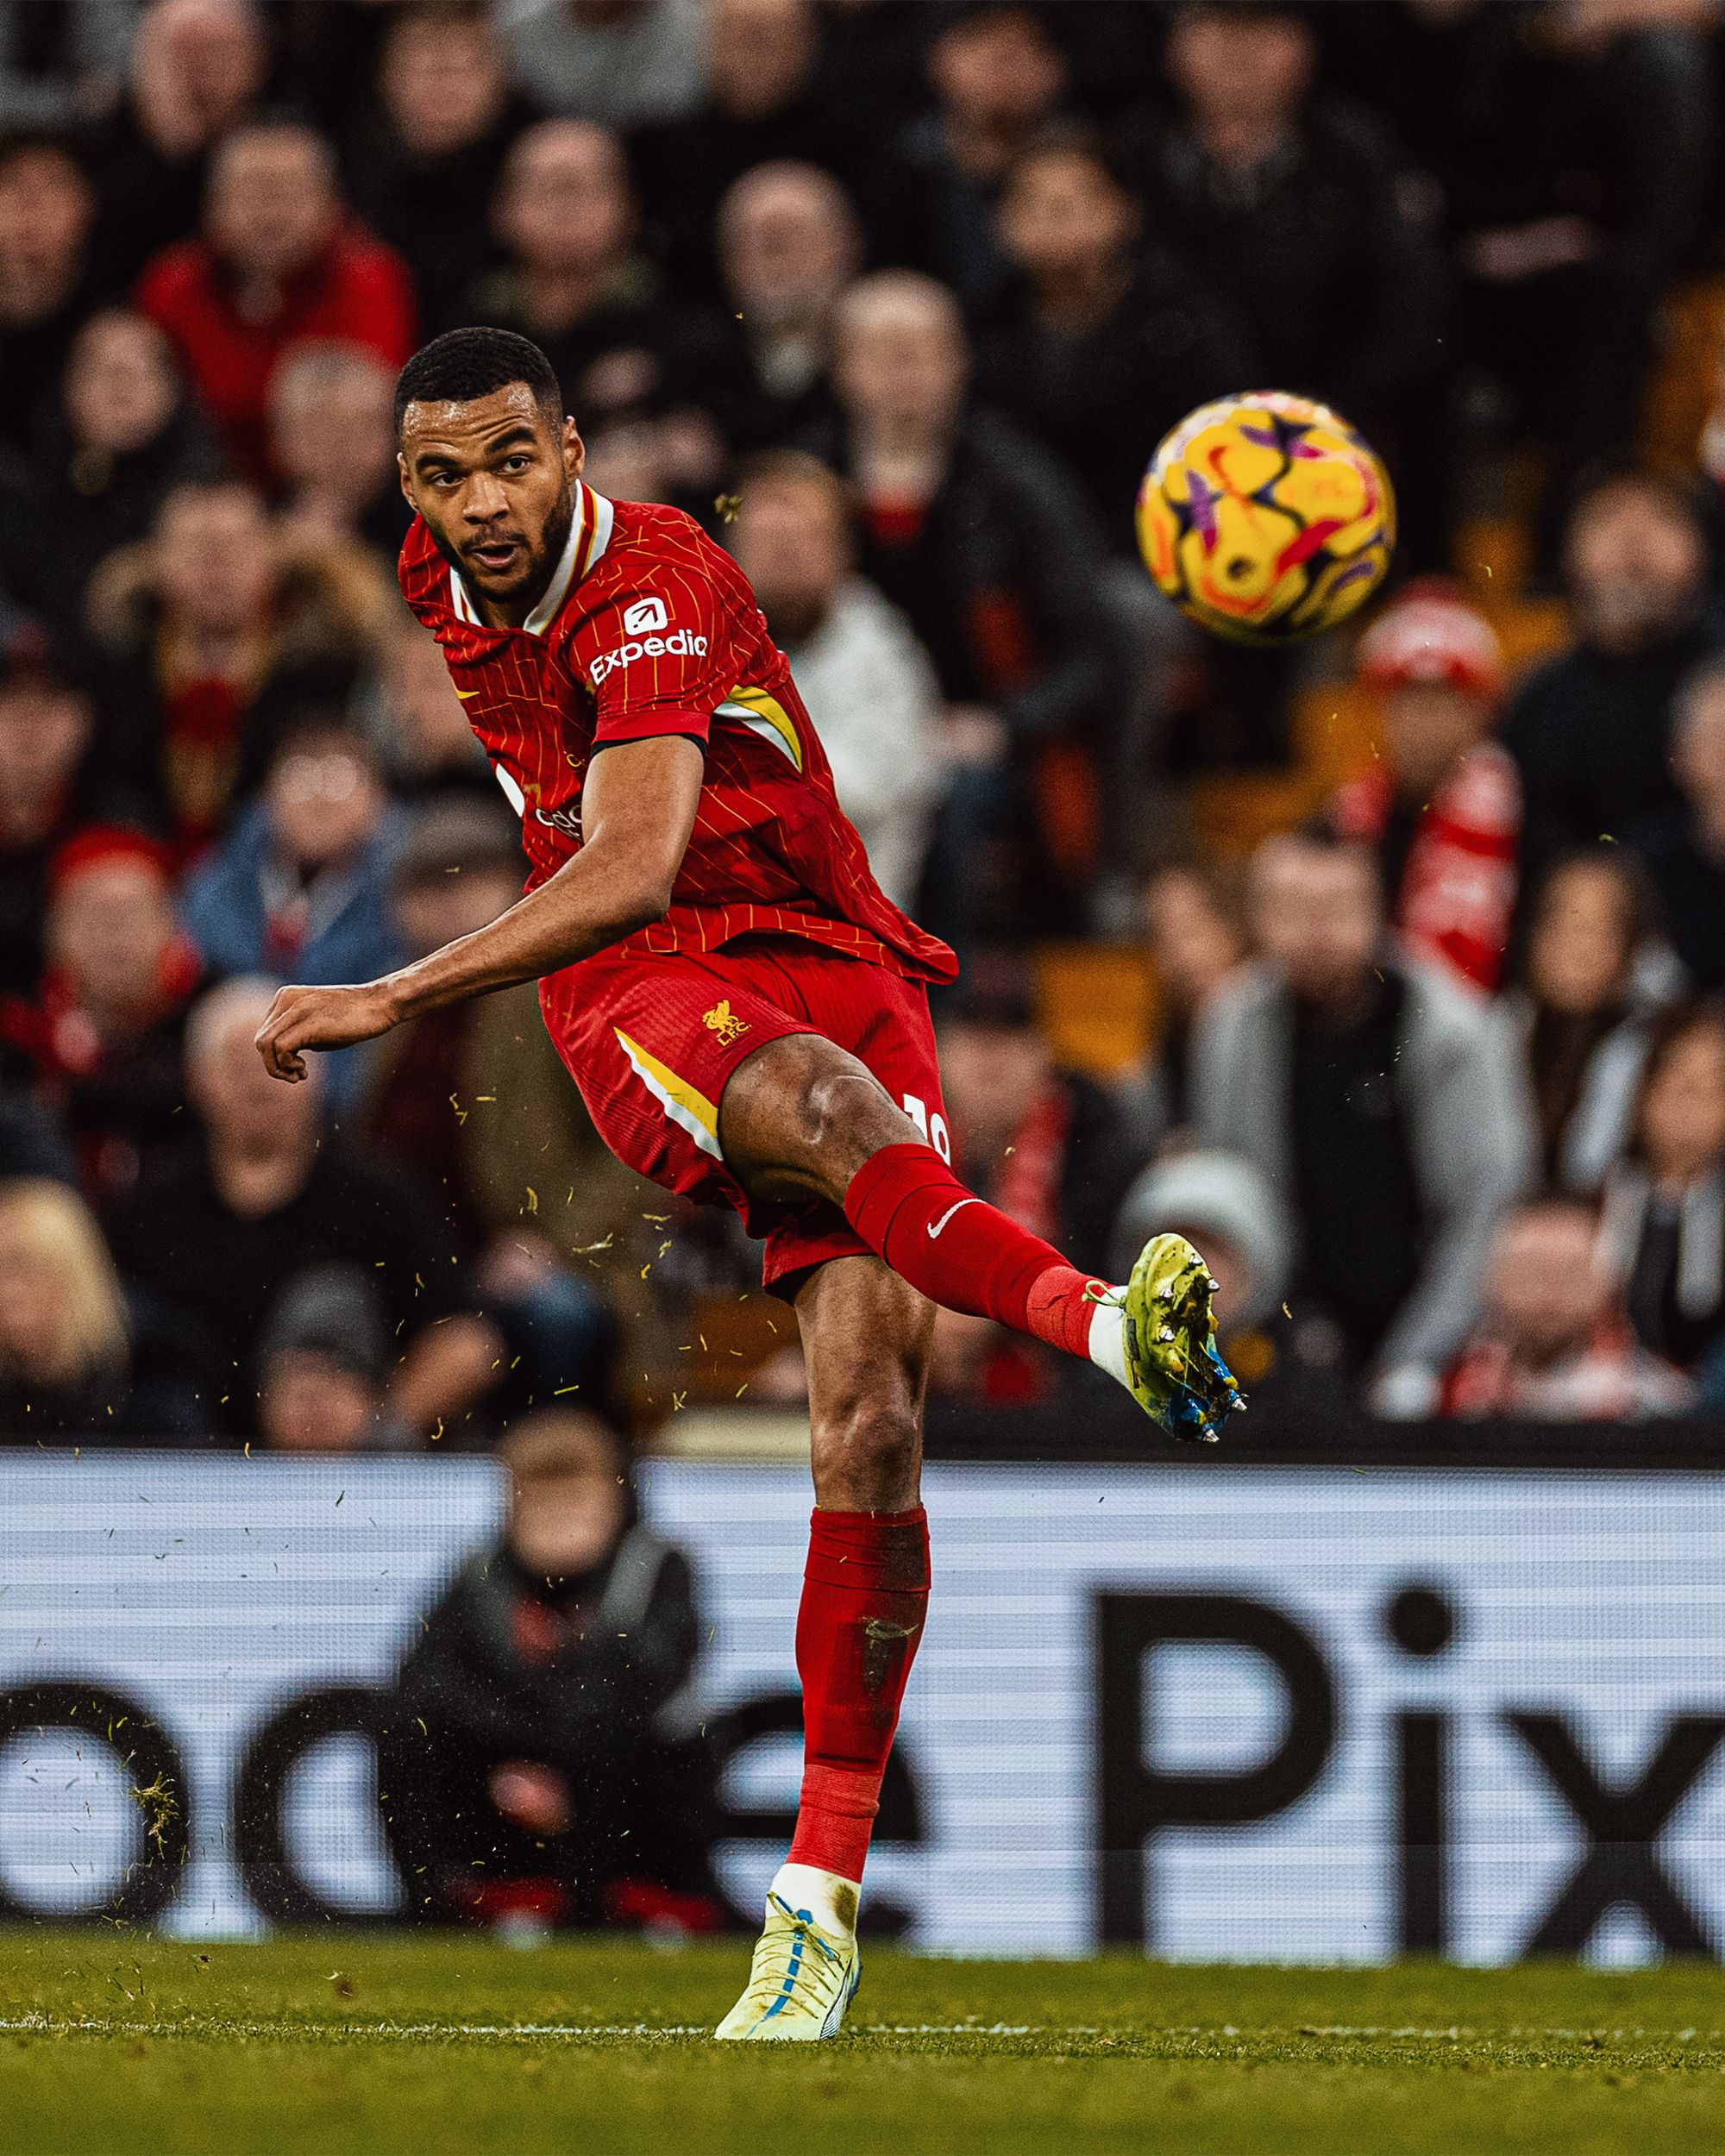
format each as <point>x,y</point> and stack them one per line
<point>1108,1340</point>
<point>830,1899</point>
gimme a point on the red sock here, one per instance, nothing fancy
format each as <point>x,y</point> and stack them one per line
<point>907,1205</point>
<point>865,1594</point>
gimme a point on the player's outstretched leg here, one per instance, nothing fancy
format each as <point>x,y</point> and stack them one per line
<point>803,1116</point>
<point>865,1592</point>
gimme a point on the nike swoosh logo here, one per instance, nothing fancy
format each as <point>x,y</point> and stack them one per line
<point>948,1215</point>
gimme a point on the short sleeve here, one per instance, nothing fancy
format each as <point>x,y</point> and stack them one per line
<point>654,654</point>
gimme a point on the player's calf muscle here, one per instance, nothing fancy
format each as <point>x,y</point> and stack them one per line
<point>866,1337</point>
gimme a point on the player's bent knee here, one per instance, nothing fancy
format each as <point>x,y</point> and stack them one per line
<point>847,1113</point>
<point>802,1115</point>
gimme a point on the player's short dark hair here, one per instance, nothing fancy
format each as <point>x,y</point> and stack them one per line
<point>463,364</point>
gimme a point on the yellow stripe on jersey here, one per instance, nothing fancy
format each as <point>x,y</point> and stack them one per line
<point>763,714</point>
<point>689,1110</point>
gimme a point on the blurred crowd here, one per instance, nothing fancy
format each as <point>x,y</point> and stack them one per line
<point>896,297</point>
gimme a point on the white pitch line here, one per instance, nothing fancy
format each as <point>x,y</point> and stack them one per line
<point>418,2032</point>
<point>414,2031</point>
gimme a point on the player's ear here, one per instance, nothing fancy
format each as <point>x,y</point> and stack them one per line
<point>575,449</point>
<point>406,484</point>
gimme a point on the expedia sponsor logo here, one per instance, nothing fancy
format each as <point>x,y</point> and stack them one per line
<point>680,644</point>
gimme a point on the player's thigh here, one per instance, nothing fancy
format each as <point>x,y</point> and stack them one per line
<point>867,1336</point>
<point>652,1044</point>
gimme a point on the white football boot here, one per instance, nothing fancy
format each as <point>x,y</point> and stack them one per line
<point>802,1978</point>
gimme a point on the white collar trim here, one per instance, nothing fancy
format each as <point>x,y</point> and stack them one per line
<point>590,531</point>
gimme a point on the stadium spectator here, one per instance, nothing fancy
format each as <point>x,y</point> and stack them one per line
<point>428,154</point>
<point>1663,1237</point>
<point>322,1367</point>
<point>462,1101</point>
<point>473,1104</point>
<point>65,1333</point>
<point>541,1764</point>
<point>47,205</point>
<point>788,245</point>
<point>197,68</point>
<point>759,105</point>
<point>103,1035</point>
<point>1099,344</point>
<point>984,544</point>
<point>1596,980</point>
<point>868,684</point>
<point>1590,729</point>
<point>1284,203</point>
<point>216,1234</point>
<point>871,57</point>
<point>623,64</point>
<point>418,721</point>
<point>332,439</point>
<point>574,281</point>
<point>999,76</point>
<point>278,261</point>
<point>1566,151</point>
<point>1044,1144</point>
<point>56,63</point>
<point>1195,917</point>
<point>1441,808</point>
<point>1683,847</point>
<point>1225,1205</point>
<point>1383,1107</point>
<point>1047,1145</point>
<point>212,636</point>
<point>298,886</point>
<point>1554,1344</point>
<point>46,730</point>
<point>124,437</point>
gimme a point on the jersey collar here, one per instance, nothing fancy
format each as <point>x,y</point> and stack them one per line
<point>589,535</point>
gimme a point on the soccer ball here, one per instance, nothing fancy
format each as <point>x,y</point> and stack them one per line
<point>1266,518</point>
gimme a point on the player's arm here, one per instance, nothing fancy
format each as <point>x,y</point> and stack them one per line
<point>637,811</point>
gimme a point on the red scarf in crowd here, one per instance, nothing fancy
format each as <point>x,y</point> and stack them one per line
<point>1457,890</point>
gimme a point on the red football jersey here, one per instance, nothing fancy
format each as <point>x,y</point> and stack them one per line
<point>648,628</point>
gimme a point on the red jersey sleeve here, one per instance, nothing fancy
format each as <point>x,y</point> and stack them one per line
<point>654,651</point>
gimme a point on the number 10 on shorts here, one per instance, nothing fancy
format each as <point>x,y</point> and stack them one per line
<point>933,1127</point>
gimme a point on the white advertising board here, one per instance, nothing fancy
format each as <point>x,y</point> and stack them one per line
<point>1237,1712</point>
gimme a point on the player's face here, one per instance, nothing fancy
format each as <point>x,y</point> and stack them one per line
<point>494,479</point>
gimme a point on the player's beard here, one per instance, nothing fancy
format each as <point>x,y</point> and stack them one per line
<point>532,587</point>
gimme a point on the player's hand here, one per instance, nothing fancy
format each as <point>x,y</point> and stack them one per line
<point>321,1018</point>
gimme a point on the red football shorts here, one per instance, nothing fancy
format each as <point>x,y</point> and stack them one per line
<point>652,1041</point>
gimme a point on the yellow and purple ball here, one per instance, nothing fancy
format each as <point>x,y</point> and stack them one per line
<point>1266,518</point>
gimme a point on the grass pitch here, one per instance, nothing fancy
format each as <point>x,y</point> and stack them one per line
<point>334,2043</point>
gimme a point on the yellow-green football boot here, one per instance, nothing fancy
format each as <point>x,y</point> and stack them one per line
<point>801,1980</point>
<point>1173,1368</point>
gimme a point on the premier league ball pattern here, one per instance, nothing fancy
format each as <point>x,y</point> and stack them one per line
<point>1266,518</point>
